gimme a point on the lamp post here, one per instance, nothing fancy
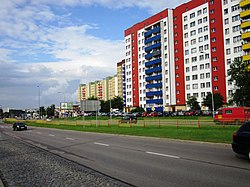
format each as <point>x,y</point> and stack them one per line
<point>39,101</point>
<point>211,72</point>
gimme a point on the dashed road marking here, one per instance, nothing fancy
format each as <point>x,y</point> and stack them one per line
<point>51,135</point>
<point>103,144</point>
<point>38,132</point>
<point>69,138</point>
<point>164,155</point>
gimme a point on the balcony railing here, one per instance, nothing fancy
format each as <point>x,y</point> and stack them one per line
<point>156,77</point>
<point>153,70</point>
<point>154,93</point>
<point>153,62</point>
<point>155,30</point>
<point>154,101</point>
<point>155,38</point>
<point>156,85</point>
<point>155,46</point>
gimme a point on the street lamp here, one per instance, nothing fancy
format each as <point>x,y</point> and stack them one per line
<point>39,101</point>
<point>211,72</point>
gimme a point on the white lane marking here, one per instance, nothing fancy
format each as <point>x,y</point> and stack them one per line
<point>38,132</point>
<point>103,144</point>
<point>160,154</point>
<point>51,135</point>
<point>69,138</point>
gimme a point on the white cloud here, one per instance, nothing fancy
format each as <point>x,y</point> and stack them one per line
<point>31,29</point>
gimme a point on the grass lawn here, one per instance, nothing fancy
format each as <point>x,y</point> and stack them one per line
<point>206,133</point>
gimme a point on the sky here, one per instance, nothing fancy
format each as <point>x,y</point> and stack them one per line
<point>49,47</point>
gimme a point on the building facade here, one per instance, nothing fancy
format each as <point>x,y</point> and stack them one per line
<point>184,52</point>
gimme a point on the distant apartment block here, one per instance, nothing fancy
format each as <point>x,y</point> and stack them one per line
<point>104,89</point>
<point>184,52</point>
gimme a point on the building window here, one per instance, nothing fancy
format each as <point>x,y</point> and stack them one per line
<point>194,77</point>
<point>202,85</point>
<point>226,31</point>
<point>202,76</point>
<point>235,18</point>
<point>195,86</point>
<point>192,24</point>
<point>194,68</point>
<point>226,21</point>
<point>192,15</point>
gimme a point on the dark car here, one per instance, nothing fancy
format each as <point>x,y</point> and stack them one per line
<point>129,119</point>
<point>19,126</point>
<point>241,140</point>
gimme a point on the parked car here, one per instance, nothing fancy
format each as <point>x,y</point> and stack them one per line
<point>19,126</point>
<point>241,140</point>
<point>153,114</point>
<point>129,119</point>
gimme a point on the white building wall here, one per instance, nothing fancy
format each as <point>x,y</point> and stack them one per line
<point>232,38</point>
<point>197,68</point>
<point>128,70</point>
<point>141,69</point>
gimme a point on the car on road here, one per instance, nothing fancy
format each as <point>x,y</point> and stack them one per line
<point>19,126</point>
<point>129,119</point>
<point>241,140</point>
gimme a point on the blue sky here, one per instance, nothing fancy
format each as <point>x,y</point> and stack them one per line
<point>60,44</point>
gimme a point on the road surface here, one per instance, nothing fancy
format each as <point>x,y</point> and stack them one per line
<point>142,161</point>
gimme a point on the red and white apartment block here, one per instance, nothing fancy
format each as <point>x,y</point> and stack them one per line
<point>182,52</point>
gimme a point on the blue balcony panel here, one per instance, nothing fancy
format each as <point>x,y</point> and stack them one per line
<point>153,62</point>
<point>154,101</point>
<point>155,77</point>
<point>152,70</point>
<point>149,48</point>
<point>156,85</point>
<point>148,56</point>
<point>155,30</point>
<point>154,93</point>
<point>155,38</point>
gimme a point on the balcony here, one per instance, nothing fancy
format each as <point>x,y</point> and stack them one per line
<point>245,13</point>
<point>155,93</point>
<point>244,3</point>
<point>246,57</point>
<point>245,35</point>
<point>245,24</point>
<point>156,85</point>
<point>153,62</point>
<point>246,46</point>
<point>153,70</point>
<point>156,77</point>
<point>150,55</point>
<point>155,30</point>
<point>154,101</point>
<point>155,46</point>
<point>155,38</point>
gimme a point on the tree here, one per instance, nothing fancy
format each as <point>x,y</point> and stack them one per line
<point>193,103</point>
<point>240,73</point>
<point>117,102</point>
<point>137,109</point>
<point>50,110</point>
<point>218,101</point>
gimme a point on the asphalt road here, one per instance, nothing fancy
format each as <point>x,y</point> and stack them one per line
<point>144,161</point>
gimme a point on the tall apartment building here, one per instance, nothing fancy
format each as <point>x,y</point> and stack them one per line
<point>182,52</point>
